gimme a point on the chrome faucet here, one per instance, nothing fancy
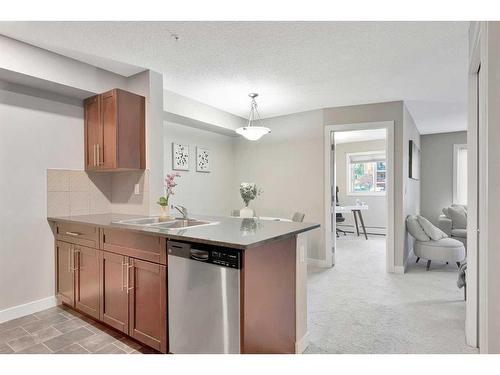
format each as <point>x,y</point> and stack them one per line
<point>183,210</point>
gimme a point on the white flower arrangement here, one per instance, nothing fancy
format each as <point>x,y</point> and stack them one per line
<point>249,191</point>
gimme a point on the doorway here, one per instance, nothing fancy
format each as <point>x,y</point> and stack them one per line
<point>356,185</point>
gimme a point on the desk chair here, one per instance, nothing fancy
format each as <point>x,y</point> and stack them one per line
<point>339,218</point>
<point>298,217</point>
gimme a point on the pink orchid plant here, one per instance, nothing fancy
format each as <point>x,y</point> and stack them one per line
<point>169,188</point>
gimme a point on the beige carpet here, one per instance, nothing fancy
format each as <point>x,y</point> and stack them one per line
<point>356,307</point>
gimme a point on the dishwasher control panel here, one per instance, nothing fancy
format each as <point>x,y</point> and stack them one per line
<point>219,256</point>
<point>226,258</point>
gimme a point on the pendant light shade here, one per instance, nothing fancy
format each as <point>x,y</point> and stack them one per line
<point>252,132</point>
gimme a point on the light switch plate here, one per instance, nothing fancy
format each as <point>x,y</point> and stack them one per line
<point>137,189</point>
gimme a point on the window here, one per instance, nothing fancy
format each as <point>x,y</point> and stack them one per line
<point>366,173</point>
<point>460,174</point>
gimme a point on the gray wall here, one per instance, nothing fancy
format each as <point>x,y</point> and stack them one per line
<point>375,217</point>
<point>212,193</point>
<point>403,189</point>
<point>437,172</point>
<point>288,166</point>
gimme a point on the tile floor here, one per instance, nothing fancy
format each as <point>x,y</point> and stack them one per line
<point>60,330</point>
<point>357,307</point>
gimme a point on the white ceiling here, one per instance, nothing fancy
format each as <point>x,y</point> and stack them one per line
<point>295,66</point>
<point>359,135</point>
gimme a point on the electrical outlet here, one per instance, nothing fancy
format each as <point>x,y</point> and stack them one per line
<point>137,189</point>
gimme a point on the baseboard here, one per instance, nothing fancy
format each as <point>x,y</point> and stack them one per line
<point>376,231</point>
<point>318,262</point>
<point>302,344</point>
<point>28,308</point>
<point>402,269</point>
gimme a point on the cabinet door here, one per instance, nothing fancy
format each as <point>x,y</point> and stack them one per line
<point>65,274</point>
<point>113,296</point>
<point>87,280</point>
<point>92,131</point>
<point>148,304</point>
<point>108,144</point>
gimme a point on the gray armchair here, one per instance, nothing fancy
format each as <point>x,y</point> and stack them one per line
<point>453,222</point>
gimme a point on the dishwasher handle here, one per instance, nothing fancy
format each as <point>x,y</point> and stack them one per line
<point>200,255</point>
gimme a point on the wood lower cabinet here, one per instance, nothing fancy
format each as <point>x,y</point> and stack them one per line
<point>114,293</point>
<point>115,288</point>
<point>133,298</point>
<point>65,283</point>
<point>148,303</point>
<point>87,280</point>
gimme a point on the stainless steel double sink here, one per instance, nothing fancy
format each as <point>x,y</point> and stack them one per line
<point>154,222</point>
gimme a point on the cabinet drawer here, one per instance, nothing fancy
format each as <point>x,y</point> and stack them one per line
<point>80,234</point>
<point>136,245</point>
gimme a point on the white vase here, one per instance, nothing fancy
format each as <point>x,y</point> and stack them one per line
<point>164,214</point>
<point>246,212</point>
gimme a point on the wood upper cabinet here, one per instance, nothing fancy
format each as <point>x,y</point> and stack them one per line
<point>148,303</point>
<point>87,280</point>
<point>115,131</point>
<point>114,292</point>
<point>65,283</point>
<point>92,126</point>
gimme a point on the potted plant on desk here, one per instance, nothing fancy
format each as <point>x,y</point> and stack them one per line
<point>163,201</point>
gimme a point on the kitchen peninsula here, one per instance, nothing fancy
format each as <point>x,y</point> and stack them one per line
<point>203,285</point>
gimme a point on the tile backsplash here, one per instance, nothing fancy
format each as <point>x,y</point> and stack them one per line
<point>76,192</point>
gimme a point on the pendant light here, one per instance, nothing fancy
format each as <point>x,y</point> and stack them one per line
<point>252,132</point>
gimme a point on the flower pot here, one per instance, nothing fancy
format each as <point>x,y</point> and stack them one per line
<point>246,212</point>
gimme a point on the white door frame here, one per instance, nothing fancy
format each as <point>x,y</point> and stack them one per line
<point>330,239</point>
<point>476,317</point>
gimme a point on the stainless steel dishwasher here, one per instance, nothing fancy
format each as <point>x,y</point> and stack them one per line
<point>203,299</point>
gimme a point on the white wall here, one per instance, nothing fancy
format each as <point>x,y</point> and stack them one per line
<point>150,85</point>
<point>288,166</point>
<point>376,217</point>
<point>200,112</point>
<point>211,193</point>
<point>31,61</point>
<point>411,187</point>
<point>437,172</point>
<point>35,134</point>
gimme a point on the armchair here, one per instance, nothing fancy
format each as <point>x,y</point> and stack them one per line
<point>453,222</point>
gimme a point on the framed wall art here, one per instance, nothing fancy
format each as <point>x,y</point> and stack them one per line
<point>202,159</point>
<point>180,157</point>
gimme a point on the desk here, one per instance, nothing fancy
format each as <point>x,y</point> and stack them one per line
<point>356,211</point>
<point>273,218</point>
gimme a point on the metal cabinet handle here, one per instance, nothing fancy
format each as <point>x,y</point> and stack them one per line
<point>124,264</point>
<point>95,153</point>
<point>69,257</point>
<point>74,234</point>
<point>76,251</point>
<point>128,278</point>
<point>99,155</point>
